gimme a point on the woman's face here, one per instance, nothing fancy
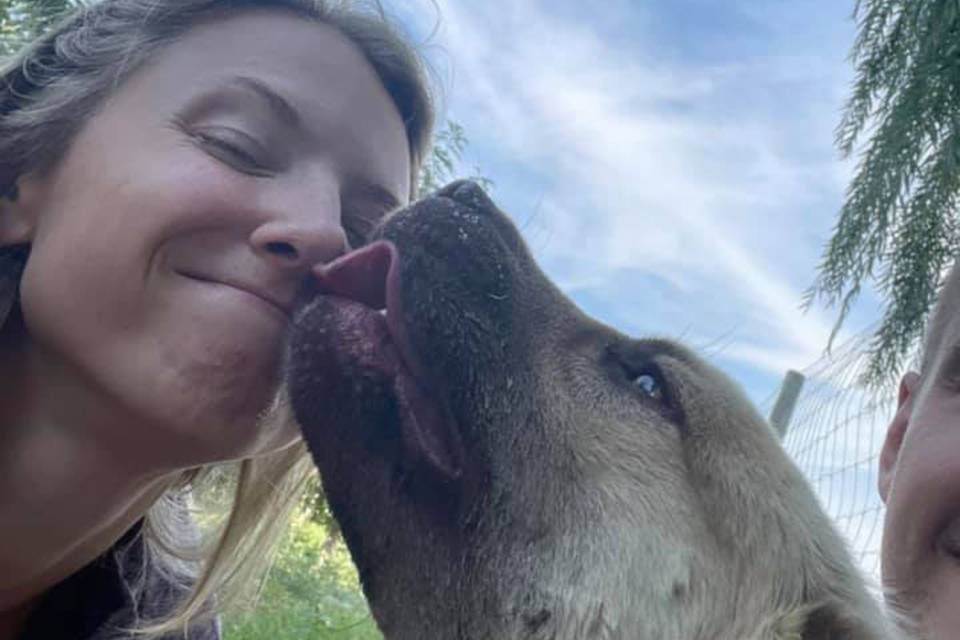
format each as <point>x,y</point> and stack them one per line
<point>169,241</point>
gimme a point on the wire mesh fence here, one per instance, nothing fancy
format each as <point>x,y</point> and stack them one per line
<point>835,436</point>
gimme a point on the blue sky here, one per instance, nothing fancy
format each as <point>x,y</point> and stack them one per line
<point>670,162</point>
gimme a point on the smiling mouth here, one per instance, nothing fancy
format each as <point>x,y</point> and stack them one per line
<point>274,304</point>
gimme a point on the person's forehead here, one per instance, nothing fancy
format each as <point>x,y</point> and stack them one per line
<point>320,71</point>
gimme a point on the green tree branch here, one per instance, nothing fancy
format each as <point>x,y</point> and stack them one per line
<point>898,226</point>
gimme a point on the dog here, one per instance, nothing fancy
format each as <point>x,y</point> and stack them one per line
<point>504,467</point>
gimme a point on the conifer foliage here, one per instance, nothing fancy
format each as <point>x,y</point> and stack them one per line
<point>898,225</point>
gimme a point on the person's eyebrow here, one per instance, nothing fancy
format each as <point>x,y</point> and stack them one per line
<point>364,191</point>
<point>277,103</point>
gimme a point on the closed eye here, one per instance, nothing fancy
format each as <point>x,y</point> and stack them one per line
<point>232,146</point>
<point>235,149</point>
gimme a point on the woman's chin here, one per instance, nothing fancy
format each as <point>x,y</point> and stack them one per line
<point>213,422</point>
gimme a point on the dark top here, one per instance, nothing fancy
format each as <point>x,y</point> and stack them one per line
<point>110,594</point>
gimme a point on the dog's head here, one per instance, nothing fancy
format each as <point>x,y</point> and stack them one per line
<point>503,466</point>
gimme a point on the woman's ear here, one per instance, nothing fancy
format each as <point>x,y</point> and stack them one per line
<point>17,227</point>
<point>909,385</point>
<point>17,221</point>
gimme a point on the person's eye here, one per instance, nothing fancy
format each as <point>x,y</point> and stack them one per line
<point>235,149</point>
<point>231,146</point>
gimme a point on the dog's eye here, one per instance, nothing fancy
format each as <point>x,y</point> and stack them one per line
<point>639,372</point>
<point>649,384</point>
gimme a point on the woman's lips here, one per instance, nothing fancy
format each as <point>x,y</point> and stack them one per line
<point>263,293</point>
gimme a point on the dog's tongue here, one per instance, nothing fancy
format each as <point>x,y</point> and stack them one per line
<point>360,275</point>
<point>358,285</point>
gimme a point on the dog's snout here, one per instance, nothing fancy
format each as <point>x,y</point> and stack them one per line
<point>468,193</point>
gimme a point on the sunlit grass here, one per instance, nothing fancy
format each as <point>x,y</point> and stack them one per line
<point>312,593</point>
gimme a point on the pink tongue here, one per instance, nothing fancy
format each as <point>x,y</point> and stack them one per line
<point>378,343</point>
<point>360,275</point>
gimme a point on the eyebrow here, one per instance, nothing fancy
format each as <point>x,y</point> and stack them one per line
<point>277,103</point>
<point>368,191</point>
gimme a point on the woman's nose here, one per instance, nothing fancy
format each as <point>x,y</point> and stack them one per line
<point>300,244</point>
<point>304,227</point>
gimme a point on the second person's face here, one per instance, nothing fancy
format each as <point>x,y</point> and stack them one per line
<point>169,241</point>
<point>920,482</point>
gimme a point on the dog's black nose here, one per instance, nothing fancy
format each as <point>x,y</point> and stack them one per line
<point>468,193</point>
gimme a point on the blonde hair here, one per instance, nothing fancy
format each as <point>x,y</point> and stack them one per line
<point>47,92</point>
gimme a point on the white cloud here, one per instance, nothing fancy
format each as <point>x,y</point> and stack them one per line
<point>646,166</point>
<point>696,193</point>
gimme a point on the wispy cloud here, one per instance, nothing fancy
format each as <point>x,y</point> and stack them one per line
<point>671,163</point>
<point>628,162</point>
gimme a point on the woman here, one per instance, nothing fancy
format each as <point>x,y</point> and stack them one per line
<point>162,207</point>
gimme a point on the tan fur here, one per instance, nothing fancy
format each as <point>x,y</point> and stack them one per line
<point>585,508</point>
